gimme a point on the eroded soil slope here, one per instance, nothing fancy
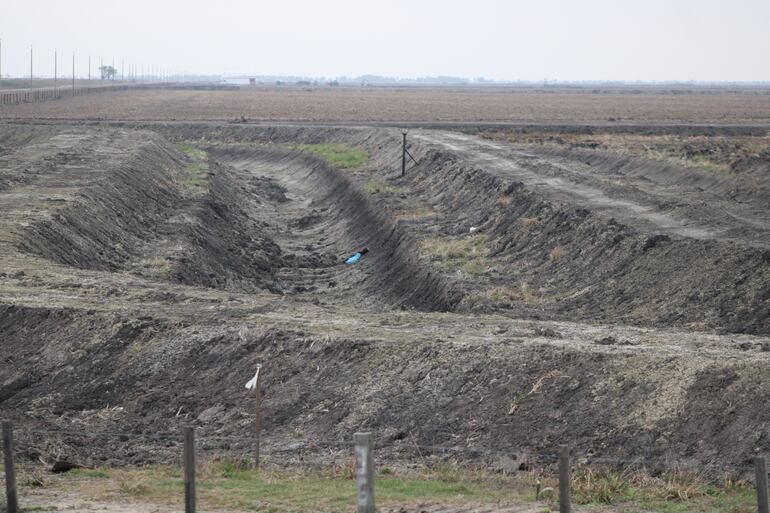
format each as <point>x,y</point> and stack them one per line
<point>146,270</point>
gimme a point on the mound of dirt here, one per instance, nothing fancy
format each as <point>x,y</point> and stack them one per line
<point>155,211</point>
<point>750,182</point>
<point>520,395</point>
<point>113,212</point>
<point>228,247</point>
<point>582,266</point>
<point>143,280</point>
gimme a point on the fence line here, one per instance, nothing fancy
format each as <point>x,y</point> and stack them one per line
<point>363,449</point>
<point>298,444</point>
<point>308,442</point>
<point>20,96</point>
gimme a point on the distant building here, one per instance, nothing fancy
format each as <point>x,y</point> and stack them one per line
<point>252,81</point>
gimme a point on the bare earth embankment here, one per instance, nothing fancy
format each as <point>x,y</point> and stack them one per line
<point>520,292</point>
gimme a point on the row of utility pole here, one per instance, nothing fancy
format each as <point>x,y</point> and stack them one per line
<point>136,72</point>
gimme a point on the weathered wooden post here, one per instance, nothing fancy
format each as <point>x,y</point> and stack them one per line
<point>760,468</point>
<point>364,472</point>
<point>189,469</point>
<point>10,473</point>
<point>403,153</point>
<point>564,498</point>
<point>258,419</point>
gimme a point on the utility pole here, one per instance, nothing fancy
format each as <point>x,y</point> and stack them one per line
<point>30,67</point>
<point>1,63</point>
<point>55,71</point>
<point>122,70</point>
<point>89,71</point>
<point>101,70</point>
<point>112,77</point>
<point>73,74</point>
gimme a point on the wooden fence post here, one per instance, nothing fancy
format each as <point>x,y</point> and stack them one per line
<point>258,419</point>
<point>403,153</point>
<point>364,472</point>
<point>760,467</point>
<point>189,470</point>
<point>10,473</point>
<point>564,498</point>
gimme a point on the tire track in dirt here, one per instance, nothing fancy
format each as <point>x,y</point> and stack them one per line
<point>648,207</point>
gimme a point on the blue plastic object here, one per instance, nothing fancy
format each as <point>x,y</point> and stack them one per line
<point>355,258</point>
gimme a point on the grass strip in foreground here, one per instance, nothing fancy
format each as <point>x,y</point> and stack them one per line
<point>226,486</point>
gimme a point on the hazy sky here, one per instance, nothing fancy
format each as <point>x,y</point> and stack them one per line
<point>515,39</point>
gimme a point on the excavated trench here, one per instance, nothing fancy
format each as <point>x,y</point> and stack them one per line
<point>152,266</point>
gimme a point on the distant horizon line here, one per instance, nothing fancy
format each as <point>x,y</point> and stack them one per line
<point>458,80</point>
<point>371,79</point>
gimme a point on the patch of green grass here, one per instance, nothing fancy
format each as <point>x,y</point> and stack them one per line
<point>197,169</point>
<point>337,155</point>
<point>196,175</point>
<point>192,152</point>
<point>230,485</point>
<point>91,472</point>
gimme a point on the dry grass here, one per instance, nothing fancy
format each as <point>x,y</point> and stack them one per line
<point>468,254</point>
<point>713,153</point>
<point>633,491</point>
<point>557,253</point>
<point>519,398</point>
<point>415,215</point>
<point>522,292</point>
<point>379,187</point>
<point>448,248</point>
<point>526,224</point>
